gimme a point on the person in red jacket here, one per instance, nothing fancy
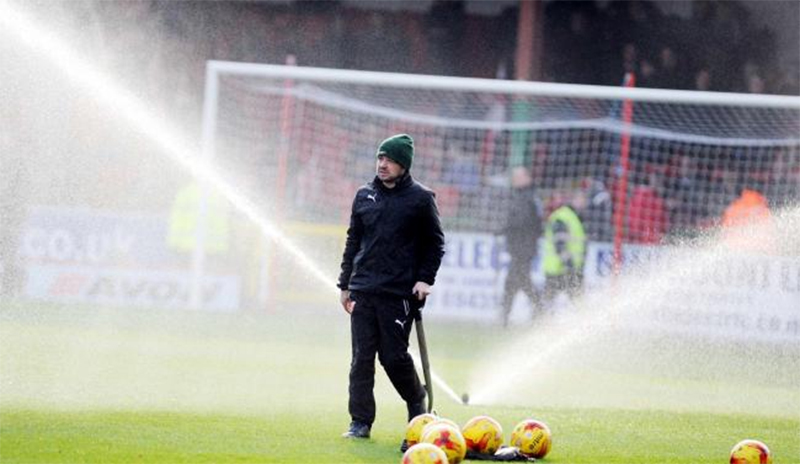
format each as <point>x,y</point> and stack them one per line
<point>647,220</point>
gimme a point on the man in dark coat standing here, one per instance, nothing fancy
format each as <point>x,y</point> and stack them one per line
<point>393,251</point>
<point>522,232</point>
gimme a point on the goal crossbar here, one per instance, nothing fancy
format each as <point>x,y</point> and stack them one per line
<point>470,84</point>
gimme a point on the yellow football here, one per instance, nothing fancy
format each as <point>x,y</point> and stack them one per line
<point>532,437</point>
<point>424,453</point>
<point>415,426</point>
<point>448,439</point>
<point>439,420</point>
<point>750,452</point>
<point>483,434</point>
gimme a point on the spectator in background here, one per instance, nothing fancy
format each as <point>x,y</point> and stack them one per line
<point>636,22</point>
<point>755,84</point>
<point>669,74</point>
<point>724,189</point>
<point>598,210</point>
<point>746,222</point>
<point>751,206</point>
<point>627,61</point>
<point>783,186</point>
<point>647,77</point>
<point>787,83</point>
<point>462,177</point>
<point>522,232</point>
<point>682,194</point>
<point>647,216</point>
<point>573,29</point>
<point>792,192</point>
<point>460,168</point>
<point>564,250</point>
<point>702,79</point>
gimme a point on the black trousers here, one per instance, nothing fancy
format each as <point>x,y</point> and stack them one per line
<point>380,324</point>
<point>519,279</point>
<point>571,283</point>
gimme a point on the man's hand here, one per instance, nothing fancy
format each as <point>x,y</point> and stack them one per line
<point>347,303</point>
<point>422,290</point>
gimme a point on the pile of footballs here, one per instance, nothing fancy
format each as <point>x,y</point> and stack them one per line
<point>436,440</point>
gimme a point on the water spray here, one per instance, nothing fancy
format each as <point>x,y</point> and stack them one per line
<point>123,103</point>
<point>606,318</point>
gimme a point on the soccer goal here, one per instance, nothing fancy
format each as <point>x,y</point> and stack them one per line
<point>649,164</point>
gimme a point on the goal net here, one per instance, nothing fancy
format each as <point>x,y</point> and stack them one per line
<point>300,141</point>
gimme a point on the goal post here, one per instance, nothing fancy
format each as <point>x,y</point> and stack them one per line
<point>300,151</point>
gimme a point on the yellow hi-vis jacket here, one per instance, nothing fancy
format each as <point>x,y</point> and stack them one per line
<point>185,218</point>
<point>552,263</point>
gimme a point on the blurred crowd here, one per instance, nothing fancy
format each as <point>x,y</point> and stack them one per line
<point>161,47</point>
<point>62,149</point>
<point>718,48</point>
<point>676,191</point>
<point>166,43</point>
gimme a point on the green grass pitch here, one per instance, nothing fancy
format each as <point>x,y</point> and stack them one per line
<point>88,385</point>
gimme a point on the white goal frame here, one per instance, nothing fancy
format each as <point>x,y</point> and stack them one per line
<point>216,69</point>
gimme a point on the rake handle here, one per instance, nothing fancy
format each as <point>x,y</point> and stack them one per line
<point>423,354</point>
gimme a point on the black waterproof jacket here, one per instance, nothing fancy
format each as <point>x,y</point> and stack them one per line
<point>524,226</point>
<point>394,240</point>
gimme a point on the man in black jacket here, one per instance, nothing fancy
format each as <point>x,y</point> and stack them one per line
<point>393,251</point>
<point>522,232</point>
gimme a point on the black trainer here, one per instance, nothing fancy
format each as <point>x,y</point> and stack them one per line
<point>357,430</point>
<point>416,408</point>
<point>404,446</point>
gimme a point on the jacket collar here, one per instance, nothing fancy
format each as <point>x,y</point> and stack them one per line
<point>401,184</point>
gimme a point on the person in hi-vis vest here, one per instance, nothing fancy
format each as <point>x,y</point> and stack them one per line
<point>564,251</point>
<point>185,219</point>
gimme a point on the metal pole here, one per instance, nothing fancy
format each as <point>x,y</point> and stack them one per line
<point>621,194</point>
<point>528,56</point>
<point>198,262</point>
<point>423,354</point>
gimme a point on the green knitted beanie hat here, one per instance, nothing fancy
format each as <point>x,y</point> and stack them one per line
<point>399,148</point>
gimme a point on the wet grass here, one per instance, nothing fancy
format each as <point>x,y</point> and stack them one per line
<point>88,385</point>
